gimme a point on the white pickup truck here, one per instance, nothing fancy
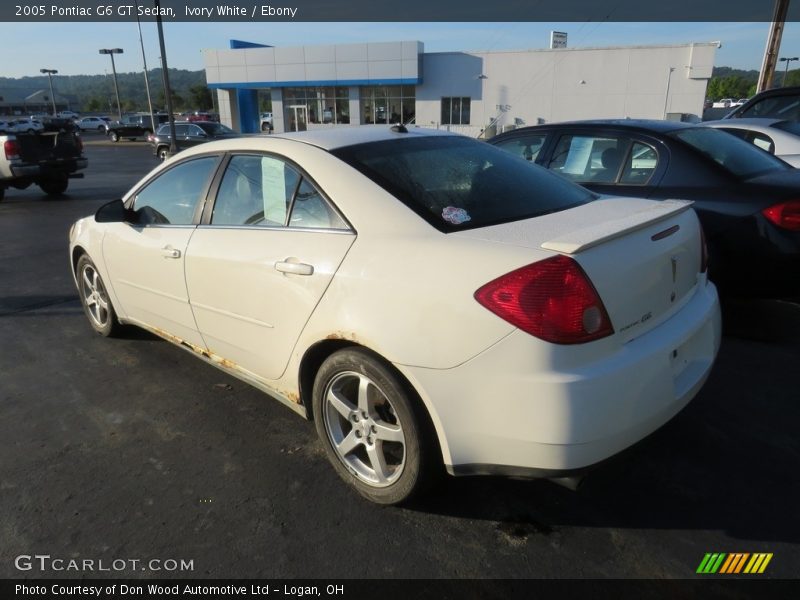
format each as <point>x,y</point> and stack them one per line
<point>48,159</point>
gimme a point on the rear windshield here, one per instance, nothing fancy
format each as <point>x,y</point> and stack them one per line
<point>458,183</point>
<point>215,128</point>
<point>790,126</point>
<point>742,159</point>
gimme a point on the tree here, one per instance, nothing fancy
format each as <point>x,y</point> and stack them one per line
<point>731,86</point>
<point>94,104</point>
<point>200,97</point>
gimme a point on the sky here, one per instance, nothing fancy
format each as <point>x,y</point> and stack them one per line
<point>72,48</point>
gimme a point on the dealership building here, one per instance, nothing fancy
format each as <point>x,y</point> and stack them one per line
<point>469,92</point>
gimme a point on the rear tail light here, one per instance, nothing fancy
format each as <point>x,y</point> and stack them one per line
<point>11,148</point>
<point>552,299</point>
<point>703,252</point>
<point>785,215</point>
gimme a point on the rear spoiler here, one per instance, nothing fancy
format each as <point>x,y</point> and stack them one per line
<point>581,239</point>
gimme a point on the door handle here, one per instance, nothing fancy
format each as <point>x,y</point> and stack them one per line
<point>295,268</point>
<point>170,252</point>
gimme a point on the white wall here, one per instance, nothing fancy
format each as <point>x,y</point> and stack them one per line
<point>567,84</point>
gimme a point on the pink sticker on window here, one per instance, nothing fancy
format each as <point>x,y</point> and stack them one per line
<point>454,215</point>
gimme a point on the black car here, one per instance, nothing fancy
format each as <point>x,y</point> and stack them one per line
<point>133,126</point>
<point>779,103</point>
<point>189,134</point>
<point>748,201</point>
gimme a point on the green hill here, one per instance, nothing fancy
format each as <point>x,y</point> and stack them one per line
<point>95,93</point>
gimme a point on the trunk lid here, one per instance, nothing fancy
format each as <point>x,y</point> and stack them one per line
<point>642,256</point>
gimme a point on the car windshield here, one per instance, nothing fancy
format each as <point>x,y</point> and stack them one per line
<point>740,158</point>
<point>215,128</point>
<point>777,107</point>
<point>457,183</point>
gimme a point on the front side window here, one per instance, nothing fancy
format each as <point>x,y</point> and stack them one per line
<point>526,147</point>
<point>172,197</point>
<point>456,111</point>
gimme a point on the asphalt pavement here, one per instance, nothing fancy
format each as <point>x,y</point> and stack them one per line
<point>133,449</point>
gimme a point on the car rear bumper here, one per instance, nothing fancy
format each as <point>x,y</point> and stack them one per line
<point>69,165</point>
<point>527,407</point>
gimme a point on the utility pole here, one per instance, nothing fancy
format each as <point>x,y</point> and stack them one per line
<point>173,146</point>
<point>773,46</point>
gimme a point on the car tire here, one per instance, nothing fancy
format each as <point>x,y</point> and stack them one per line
<point>94,299</point>
<point>54,185</point>
<point>2,193</point>
<point>113,136</point>
<point>163,154</point>
<point>101,128</point>
<point>373,427</point>
<point>265,127</point>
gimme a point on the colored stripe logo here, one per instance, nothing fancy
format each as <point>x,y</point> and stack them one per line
<point>734,563</point>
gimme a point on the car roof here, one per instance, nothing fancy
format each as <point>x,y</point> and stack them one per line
<point>748,122</point>
<point>642,125</point>
<point>339,137</point>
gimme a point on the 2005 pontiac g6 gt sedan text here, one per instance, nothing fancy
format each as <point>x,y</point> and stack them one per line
<point>426,298</point>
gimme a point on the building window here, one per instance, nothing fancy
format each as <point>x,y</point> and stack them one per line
<point>455,111</point>
<point>387,104</point>
<point>328,105</point>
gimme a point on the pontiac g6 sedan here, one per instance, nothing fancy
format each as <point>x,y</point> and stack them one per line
<point>426,298</point>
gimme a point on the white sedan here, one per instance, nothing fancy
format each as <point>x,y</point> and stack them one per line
<point>93,123</point>
<point>426,298</point>
<point>776,136</point>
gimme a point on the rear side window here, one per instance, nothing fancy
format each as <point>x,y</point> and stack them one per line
<point>266,191</point>
<point>458,183</point>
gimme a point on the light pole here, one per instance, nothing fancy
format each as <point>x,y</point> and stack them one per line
<point>50,73</point>
<point>786,71</point>
<point>666,96</point>
<point>144,62</point>
<point>173,145</point>
<point>112,52</point>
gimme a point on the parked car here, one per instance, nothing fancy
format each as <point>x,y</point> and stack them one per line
<point>265,123</point>
<point>187,135</point>
<point>424,297</point>
<point>133,126</point>
<point>723,103</point>
<point>6,126</point>
<point>779,103</point>
<point>781,138</point>
<point>29,125</point>
<point>199,116</point>
<point>68,114</point>
<point>93,123</point>
<point>48,159</point>
<point>747,200</point>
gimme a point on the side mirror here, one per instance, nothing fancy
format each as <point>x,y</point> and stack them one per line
<point>114,212</point>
